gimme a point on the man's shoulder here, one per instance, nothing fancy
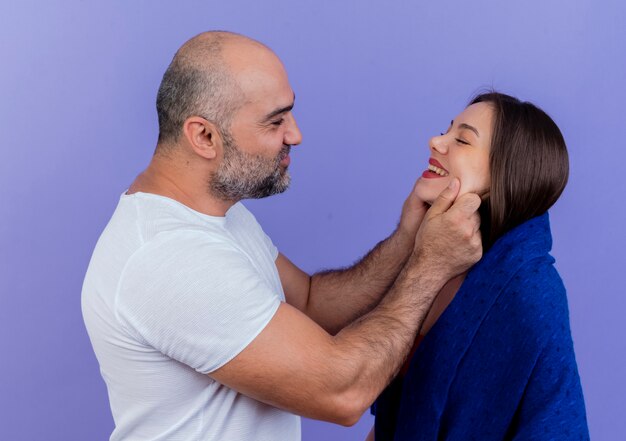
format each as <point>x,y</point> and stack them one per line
<point>238,216</point>
<point>182,259</point>
<point>184,245</point>
<point>163,230</point>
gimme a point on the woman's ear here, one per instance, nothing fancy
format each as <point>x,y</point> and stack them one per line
<point>203,136</point>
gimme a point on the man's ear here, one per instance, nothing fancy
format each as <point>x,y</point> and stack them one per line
<point>203,137</point>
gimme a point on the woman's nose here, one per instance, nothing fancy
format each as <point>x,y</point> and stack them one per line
<point>438,144</point>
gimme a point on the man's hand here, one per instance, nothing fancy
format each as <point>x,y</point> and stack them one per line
<point>449,240</point>
<point>413,212</point>
<point>334,299</point>
<point>294,365</point>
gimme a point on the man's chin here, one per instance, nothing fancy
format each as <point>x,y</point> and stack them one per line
<point>273,189</point>
<point>266,195</point>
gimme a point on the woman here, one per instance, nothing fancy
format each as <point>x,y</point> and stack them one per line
<point>494,359</point>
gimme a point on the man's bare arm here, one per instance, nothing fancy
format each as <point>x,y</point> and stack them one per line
<point>335,298</point>
<point>297,366</point>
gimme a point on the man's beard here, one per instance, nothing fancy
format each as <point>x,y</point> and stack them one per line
<point>245,176</point>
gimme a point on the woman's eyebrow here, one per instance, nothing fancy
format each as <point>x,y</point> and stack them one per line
<point>467,126</point>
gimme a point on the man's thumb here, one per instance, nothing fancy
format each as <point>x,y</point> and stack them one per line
<point>468,203</point>
<point>446,198</point>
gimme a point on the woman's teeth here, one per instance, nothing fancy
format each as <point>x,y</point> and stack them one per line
<point>439,171</point>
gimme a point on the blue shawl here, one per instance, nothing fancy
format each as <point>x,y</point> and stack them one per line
<point>499,363</point>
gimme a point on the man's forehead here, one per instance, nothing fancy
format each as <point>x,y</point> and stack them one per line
<point>256,78</point>
<point>265,88</point>
<point>262,79</point>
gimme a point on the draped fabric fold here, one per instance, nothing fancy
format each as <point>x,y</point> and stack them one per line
<point>499,363</point>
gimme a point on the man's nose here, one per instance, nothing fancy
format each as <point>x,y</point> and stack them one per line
<point>293,136</point>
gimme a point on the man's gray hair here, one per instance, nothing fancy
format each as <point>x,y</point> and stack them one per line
<point>196,83</point>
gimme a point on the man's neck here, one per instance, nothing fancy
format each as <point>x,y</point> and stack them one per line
<point>164,178</point>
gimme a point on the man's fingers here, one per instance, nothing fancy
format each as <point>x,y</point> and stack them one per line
<point>414,190</point>
<point>467,204</point>
<point>476,219</point>
<point>445,199</point>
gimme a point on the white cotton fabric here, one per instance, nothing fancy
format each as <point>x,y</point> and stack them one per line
<point>171,295</point>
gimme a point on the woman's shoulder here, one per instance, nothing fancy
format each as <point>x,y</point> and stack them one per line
<point>538,281</point>
<point>537,294</point>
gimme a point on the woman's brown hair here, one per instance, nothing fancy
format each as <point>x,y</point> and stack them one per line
<point>529,165</point>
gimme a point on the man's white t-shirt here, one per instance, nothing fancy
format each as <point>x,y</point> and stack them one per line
<point>171,295</point>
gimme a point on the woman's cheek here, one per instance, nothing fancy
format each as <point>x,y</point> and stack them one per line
<point>474,183</point>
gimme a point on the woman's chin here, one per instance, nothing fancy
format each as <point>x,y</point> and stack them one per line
<point>428,190</point>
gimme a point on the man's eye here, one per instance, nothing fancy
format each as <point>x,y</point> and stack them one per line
<point>460,141</point>
<point>278,122</point>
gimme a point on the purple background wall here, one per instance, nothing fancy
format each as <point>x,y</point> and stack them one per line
<point>374,80</point>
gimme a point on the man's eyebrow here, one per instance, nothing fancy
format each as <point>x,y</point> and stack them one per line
<point>277,112</point>
<point>468,127</point>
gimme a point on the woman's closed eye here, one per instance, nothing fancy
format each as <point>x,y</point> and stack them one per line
<point>458,140</point>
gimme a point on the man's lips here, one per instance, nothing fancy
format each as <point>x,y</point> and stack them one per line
<point>285,160</point>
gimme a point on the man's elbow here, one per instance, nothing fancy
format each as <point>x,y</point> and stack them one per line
<point>349,420</point>
<point>349,407</point>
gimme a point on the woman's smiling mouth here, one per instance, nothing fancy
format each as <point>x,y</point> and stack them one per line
<point>435,170</point>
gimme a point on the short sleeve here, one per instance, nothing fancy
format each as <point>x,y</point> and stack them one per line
<point>270,246</point>
<point>198,302</point>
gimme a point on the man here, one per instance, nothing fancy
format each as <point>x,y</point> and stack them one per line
<point>201,328</point>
